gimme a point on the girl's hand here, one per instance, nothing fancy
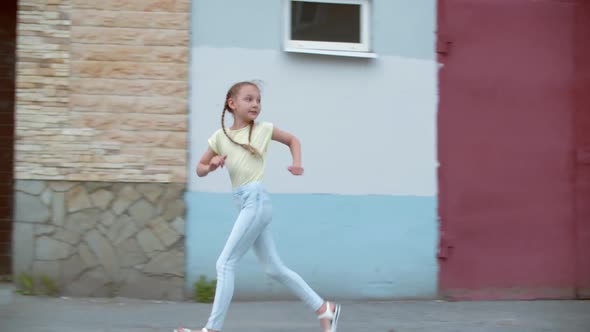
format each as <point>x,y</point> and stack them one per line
<point>295,170</point>
<point>217,161</point>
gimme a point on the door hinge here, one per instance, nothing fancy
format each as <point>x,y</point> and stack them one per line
<point>583,156</point>
<point>444,246</point>
<point>443,45</point>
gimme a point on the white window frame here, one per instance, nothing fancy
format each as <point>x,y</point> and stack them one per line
<point>361,49</point>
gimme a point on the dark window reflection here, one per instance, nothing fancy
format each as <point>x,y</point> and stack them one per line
<point>330,22</point>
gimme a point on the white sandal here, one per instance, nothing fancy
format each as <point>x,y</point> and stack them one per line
<point>331,315</point>
<point>181,329</point>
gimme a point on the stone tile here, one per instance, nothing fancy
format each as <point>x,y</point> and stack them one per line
<point>151,162</point>
<point>44,229</point>
<point>148,88</point>
<point>122,229</point>
<point>138,285</point>
<point>104,253</point>
<point>179,225</point>
<point>77,199</point>
<point>130,37</point>
<point>50,249</point>
<point>173,192</point>
<point>119,187</point>
<point>88,258</point>
<point>94,186</point>
<point>125,19</point>
<point>101,198</point>
<point>31,187</point>
<point>142,212</point>
<point>23,243</point>
<point>125,198</point>
<point>176,190</point>
<point>135,104</point>
<point>130,254</point>
<point>173,210</point>
<point>67,236</point>
<point>135,53</point>
<point>72,268</point>
<point>151,191</point>
<point>58,208</point>
<point>82,221</point>
<point>61,186</point>
<point>174,289</point>
<point>149,243</point>
<point>163,231</point>
<point>167,263</point>
<point>109,289</point>
<point>30,209</point>
<point>107,218</point>
<point>46,197</point>
<point>87,283</point>
<point>102,229</point>
<point>135,5</point>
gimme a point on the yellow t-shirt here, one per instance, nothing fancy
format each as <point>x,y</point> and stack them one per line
<point>242,166</point>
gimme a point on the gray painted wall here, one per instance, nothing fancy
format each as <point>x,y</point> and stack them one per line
<point>400,27</point>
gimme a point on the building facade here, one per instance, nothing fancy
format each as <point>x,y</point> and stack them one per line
<point>445,145</point>
<point>101,145</point>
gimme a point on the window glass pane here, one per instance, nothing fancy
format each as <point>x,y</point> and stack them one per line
<point>329,22</point>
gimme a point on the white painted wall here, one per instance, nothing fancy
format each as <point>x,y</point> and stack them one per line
<point>366,126</point>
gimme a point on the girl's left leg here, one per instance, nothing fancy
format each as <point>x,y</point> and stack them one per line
<point>266,251</point>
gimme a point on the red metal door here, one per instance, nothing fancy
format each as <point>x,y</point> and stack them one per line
<point>582,121</point>
<point>507,149</point>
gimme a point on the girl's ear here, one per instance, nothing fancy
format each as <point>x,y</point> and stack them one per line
<point>231,104</point>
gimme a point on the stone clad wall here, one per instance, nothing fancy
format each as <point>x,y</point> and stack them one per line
<point>101,145</point>
<point>102,239</point>
<point>102,90</point>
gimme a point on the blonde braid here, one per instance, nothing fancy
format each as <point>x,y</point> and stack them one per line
<point>253,151</point>
<point>250,132</point>
<point>226,107</point>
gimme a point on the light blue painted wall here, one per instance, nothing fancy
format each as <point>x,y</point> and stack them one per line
<point>345,247</point>
<point>371,233</point>
<point>400,27</point>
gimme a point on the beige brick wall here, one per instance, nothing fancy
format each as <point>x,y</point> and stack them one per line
<point>102,90</point>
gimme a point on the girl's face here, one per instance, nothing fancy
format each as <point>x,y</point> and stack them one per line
<point>246,103</point>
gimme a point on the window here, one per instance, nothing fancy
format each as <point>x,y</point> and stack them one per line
<point>339,27</point>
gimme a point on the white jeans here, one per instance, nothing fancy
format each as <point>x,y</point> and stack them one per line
<point>251,230</point>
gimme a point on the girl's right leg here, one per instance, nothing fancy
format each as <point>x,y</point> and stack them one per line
<point>247,228</point>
